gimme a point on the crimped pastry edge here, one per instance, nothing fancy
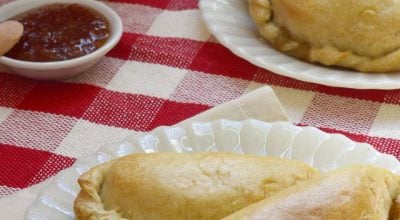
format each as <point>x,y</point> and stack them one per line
<point>88,204</point>
<point>262,13</point>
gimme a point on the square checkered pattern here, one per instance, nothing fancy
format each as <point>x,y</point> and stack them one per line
<point>86,137</point>
<point>208,89</point>
<point>176,52</point>
<point>46,134</point>
<point>223,62</point>
<point>124,110</point>
<point>60,98</point>
<point>13,90</point>
<point>166,68</point>
<point>147,79</point>
<point>143,19</point>
<point>182,24</point>
<point>386,123</point>
<point>101,74</point>
<point>348,114</point>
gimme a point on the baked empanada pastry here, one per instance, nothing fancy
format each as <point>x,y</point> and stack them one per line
<point>354,193</point>
<point>183,186</point>
<point>359,34</point>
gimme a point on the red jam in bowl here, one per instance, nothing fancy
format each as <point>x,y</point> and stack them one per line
<point>59,32</point>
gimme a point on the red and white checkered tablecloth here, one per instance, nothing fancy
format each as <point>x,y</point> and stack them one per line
<point>166,68</point>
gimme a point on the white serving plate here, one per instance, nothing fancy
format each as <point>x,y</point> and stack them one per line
<point>229,21</point>
<point>280,139</point>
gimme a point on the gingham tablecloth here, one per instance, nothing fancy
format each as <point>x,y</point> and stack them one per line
<point>166,68</point>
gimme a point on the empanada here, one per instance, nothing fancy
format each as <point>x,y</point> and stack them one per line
<point>354,193</point>
<point>183,186</point>
<point>359,34</point>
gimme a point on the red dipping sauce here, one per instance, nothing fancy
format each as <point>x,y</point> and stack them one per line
<point>60,32</point>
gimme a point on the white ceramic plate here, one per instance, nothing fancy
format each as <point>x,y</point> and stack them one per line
<point>229,21</point>
<point>321,150</point>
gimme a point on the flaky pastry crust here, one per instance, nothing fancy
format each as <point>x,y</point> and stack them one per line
<point>359,34</point>
<point>353,193</point>
<point>183,186</point>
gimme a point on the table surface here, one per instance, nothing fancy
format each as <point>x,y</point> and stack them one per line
<point>166,68</point>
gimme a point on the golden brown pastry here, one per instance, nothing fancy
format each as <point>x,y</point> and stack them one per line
<point>354,193</point>
<point>359,34</point>
<point>183,186</point>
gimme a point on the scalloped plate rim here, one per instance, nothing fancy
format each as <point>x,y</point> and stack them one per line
<point>32,210</point>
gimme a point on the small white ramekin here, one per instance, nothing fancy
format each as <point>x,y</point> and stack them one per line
<point>67,68</point>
